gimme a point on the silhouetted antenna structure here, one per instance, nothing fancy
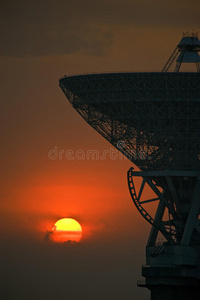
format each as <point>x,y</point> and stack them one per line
<point>153,118</point>
<point>187,52</point>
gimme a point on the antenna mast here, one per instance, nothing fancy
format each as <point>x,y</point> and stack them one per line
<point>187,52</point>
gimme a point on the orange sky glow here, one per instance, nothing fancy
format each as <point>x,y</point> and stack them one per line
<point>42,41</point>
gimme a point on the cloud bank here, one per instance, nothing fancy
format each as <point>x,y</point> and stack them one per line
<point>41,28</point>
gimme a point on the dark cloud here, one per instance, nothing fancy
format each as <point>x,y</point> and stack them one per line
<point>36,39</point>
<point>49,29</point>
<point>47,236</point>
<point>63,27</point>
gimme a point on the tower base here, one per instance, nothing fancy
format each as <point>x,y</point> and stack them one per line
<point>172,288</point>
<point>172,272</point>
<point>175,293</point>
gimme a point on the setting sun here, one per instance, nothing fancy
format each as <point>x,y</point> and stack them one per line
<point>66,230</point>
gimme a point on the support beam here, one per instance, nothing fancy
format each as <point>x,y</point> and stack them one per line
<point>173,192</point>
<point>154,230</point>
<point>170,60</point>
<point>160,195</point>
<point>193,214</point>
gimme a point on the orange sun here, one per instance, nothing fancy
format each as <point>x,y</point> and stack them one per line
<point>66,230</point>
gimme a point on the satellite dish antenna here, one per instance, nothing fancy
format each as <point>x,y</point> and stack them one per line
<point>153,118</point>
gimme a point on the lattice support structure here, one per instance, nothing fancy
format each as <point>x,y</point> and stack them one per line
<point>172,267</point>
<point>154,120</point>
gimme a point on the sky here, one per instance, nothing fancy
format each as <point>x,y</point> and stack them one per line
<point>40,42</point>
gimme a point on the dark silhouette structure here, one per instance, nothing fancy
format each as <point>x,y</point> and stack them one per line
<point>154,119</point>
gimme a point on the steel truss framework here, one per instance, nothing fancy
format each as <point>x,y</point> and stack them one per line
<point>179,196</point>
<point>172,267</point>
<point>152,118</point>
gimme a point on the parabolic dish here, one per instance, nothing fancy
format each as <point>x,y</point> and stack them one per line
<point>153,117</point>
